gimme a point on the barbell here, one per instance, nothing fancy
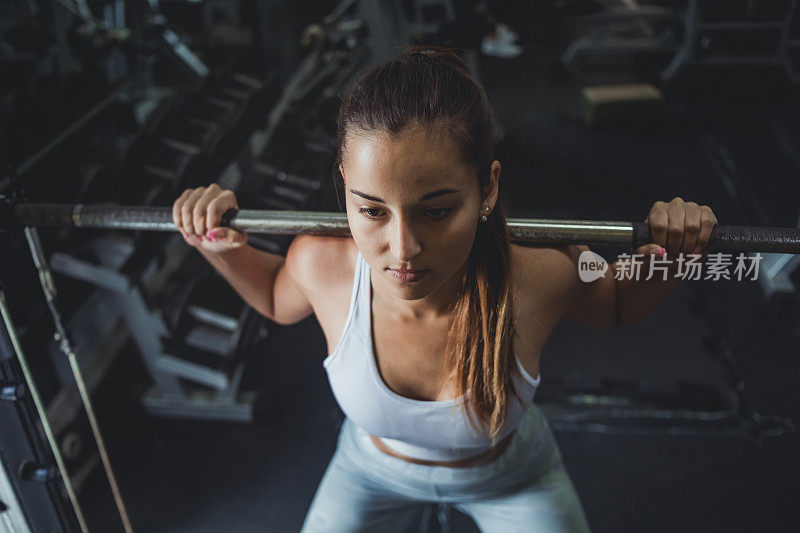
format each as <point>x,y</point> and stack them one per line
<point>633,234</point>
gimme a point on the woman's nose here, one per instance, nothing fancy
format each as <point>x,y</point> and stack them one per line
<point>405,241</point>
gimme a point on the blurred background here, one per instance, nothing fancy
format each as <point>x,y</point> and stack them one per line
<point>216,419</point>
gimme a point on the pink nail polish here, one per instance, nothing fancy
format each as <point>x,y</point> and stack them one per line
<point>211,235</point>
<point>661,251</point>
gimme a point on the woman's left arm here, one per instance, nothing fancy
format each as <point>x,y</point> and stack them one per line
<point>677,227</point>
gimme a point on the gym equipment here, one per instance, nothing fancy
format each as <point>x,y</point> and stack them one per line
<point>621,31</point>
<point>753,34</point>
<point>16,521</point>
<point>66,346</point>
<point>634,234</point>
<point>612,104</point>
<point>210,129</point>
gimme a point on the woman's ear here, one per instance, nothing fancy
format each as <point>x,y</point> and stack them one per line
<point>492,188</point>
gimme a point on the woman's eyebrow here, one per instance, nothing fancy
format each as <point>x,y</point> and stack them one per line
<point>428,196</point>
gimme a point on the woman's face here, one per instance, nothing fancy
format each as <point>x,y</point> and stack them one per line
<point>412,203</point>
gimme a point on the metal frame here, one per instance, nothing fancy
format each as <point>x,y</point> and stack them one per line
<point>12,519</point>
<point>693,26</point>
<point>34,454</point>
<point>169,396</point>
<point>599,41</point>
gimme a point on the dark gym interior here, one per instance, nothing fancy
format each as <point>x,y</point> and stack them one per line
<point>217,419</point>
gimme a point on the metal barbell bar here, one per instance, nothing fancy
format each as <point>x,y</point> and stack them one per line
<point>634,234</point>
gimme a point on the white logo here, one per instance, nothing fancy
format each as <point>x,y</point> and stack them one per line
<point>591,266</point>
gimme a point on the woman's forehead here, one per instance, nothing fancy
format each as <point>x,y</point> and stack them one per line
<point>413,158</point>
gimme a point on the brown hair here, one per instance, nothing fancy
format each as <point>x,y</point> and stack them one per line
<point>432,86</point>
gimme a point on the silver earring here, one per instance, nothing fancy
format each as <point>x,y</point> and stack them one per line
<point>486,211</point>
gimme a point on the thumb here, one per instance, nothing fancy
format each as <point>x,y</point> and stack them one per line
<point>650,249</point>
<point>226,237</point>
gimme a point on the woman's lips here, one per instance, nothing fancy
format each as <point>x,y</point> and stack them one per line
<point>407,276</point>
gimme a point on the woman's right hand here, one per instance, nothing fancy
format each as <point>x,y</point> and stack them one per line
<point>198,215</point>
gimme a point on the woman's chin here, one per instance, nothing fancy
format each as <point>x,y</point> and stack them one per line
<point>410,290</point>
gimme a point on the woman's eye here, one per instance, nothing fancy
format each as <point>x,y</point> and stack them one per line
<point>440,212</point>
<point>370,212</point>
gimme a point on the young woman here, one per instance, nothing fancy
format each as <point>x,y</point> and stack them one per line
<point>434,321</point>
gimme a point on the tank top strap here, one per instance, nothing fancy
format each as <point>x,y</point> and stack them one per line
<point>363,300</point>
<point>534,382</point>
<point>353,314</point>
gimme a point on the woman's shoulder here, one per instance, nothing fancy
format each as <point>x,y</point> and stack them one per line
<point>545,275</point>
<point>321,262</point>
<point>536,258</point>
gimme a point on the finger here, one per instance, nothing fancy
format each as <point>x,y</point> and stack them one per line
<point>192,240</point>
<point>707,223</point>
<point>677,220</point>
<point>691,228</point>
<point>176,207</point>
<point>218,206</point>
<point>226,236</point>
<point>651,249</point>
<point>187,209</point>
<point>199,211</point>
<point>659,221</point>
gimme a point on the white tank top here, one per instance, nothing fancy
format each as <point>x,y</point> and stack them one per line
<point>429,430</point>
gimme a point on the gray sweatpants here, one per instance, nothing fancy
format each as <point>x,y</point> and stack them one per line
<point>524,489</point>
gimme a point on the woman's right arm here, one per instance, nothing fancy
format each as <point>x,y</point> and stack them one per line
<point>269,283</point>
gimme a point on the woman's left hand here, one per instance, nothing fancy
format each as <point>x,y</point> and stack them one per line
<point>679,227</point>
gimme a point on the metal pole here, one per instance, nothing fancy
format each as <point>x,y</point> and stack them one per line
<point>633,234</point>
<point>49,289</point>
<point>42,411</point>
